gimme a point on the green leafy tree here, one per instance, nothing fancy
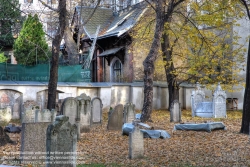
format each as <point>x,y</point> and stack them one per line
<point>196,45</point>
<point>10,21</point>
<point>2,57</point>
<point>31,48</point>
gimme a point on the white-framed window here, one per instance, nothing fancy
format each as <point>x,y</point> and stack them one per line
<point>116,70</point>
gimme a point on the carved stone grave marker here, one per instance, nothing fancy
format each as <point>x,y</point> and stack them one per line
<point>175,111</point>
<point>61,143</point>
<point>33,141</point>
<point>115,120</point>
<point>5,115</point>
<point>45,115</point>
<point>96,104</point>
<point>28,115</point>
<point>136,144</point>
<point>219,103</point>
<point>129,113</point>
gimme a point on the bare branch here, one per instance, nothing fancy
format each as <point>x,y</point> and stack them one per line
<point>56,10</point>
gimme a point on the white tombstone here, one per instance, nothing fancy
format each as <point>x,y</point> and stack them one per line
<point>129,113</point>
<point>5,115</point>
<point>197,97</point>
<point>136,143</point>
<point>96,108</point>
<point>175,111</point>
<point>219,103</point>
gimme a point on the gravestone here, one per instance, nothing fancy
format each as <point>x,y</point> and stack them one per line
<point>197,96</point>
<point>136,143</point>
<point>175,111</point>
<point>5,115</point>
<point>45,115</point>
<point>129,113</point>
<point>96,110</point>
<point>61,143</point>
<point>28,115</point>
<point>219,102</point>
<point>85,115</point>
<point>33,142</point>
<point>115,118</point>
<point>70,109</point>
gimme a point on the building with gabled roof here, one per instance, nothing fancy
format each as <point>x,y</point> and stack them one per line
<point>111,60</point>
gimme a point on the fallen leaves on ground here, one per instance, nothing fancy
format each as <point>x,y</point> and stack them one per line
<point>184,148</point>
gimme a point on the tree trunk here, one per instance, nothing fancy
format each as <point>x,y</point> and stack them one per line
<point>52,87</point>
<point>173,87</point>
<point>246,105</point>
<point>148,63</point>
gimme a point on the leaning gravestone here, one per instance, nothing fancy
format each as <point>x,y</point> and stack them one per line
<point>96,107</point>
<point>175,111</point>
<point>129,113</point>
<point>45,115</point>
<point>197,97</point>
<point>5,115</point>
<point>115,120</point>
<point>136,144</point>
<point>61,143</point>
<point>33,143</point>
<point>219,103</point>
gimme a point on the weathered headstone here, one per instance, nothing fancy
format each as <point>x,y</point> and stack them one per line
<point>45,115</point>
<point>115,120</point>
<point>175,111</point>
<point>61,143</point>
<point>28,115</point>
<point>197,96</point>
<point>33,142</point>
<point>96,107</point>
<point>5,115</point>
<point>85,115</point>
<point>70,109</point>
<point>136,144</point>
<point>129,113</point>
<point>219,102</point>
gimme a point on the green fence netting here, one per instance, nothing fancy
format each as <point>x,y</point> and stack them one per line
<point>41,72</point>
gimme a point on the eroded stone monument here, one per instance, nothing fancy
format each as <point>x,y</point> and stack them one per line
<point>175,111</point>
<point>136,143</point>
<point>61,143</point>
<point>96,107</point>
<point>129,113</point>
<point>33,142</point>
<point>219,103</point>
<point>115,118</point>
<point>5,115</point>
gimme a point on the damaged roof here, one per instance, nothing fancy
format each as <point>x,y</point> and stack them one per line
<point>111,24</point>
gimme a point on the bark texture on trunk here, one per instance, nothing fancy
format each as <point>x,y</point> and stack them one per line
<point>173,87</point>
<point>148,63</point>
<point>246,105</point>
<point>52,87</point>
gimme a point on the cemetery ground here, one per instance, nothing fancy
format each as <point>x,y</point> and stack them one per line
<point>101,147</point>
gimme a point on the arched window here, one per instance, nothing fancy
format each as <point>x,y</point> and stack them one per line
<point>116,71</point>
